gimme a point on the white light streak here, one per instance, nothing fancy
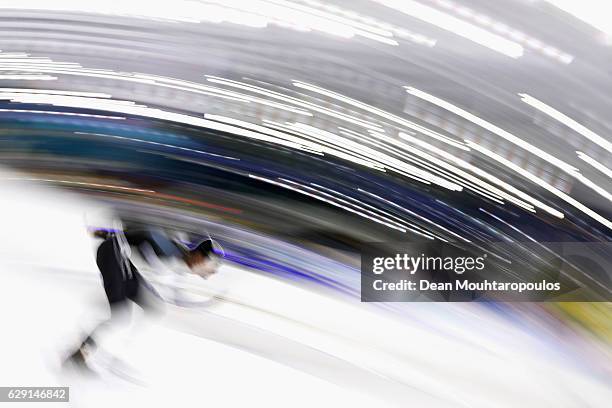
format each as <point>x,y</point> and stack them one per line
<point>492,128</point>
<point>399,221</point>
<point>413,214</point>
<point>252,14</point>
<point>595,164</point>
<point>393,226</point>
<point>55,92</point>
<point>81,183</point>
<point>456,26</point>
<point>158,144</point>
<point>487,176</point>
<point>23,77</point>
<point>541,183</point>
<point>295,101</point>
<point>567,121</point>
<point>381,113</point>
<point>60,113</point>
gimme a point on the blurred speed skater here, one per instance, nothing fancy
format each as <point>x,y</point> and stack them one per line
<point>123,281</point>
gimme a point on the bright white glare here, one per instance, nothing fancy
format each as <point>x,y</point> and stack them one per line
<point>456,26</point>
<point>507,31</point>
<point>593,12</point>
<point>29,77</point>
<point>55,92</point>
<point>567,121</point>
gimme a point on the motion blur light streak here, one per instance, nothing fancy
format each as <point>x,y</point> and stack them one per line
<point>595,164</point>
<point>411,228</point>
<point>491,127</point>
<point>503,29</point>
<point>54,92</point>
<point>412,213</point>
<point>569,122</point>
<point>255,13</point>
<point>158,144</point>
<point>29,77</point>
<point>60,113</point>
<point>139,190</point>
<point>456,26</point>
<point>487,176</point>
<point>382,113</point>
<point>276,95</point>
<point>394,226</point>
<point>543,184</point>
